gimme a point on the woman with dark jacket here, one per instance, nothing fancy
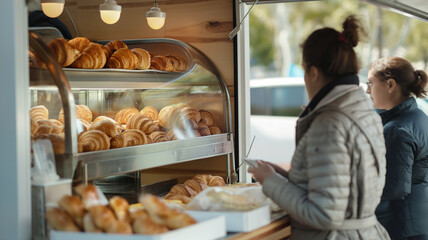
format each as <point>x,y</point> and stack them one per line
<point>338,168</point>
<point>403,210</point>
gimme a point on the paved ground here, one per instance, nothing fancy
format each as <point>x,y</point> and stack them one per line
<point>274,139</point>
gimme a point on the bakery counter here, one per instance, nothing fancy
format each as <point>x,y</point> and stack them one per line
<point>277,229</point>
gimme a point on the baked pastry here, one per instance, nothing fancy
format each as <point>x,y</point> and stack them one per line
<point>158,210</point>
<point>39,112</point>
<point>161,63</point>
<point>33,127</point>
<point>119,227</point>
<point>82,125</point>
<point>211,181</point>
<point>74,207</point>
<point>64,52</point>
<point>82,112</point>
<point>203,129</point>
<point>169,116</point>
<point>144,224</point>
<point>57,141</point>
<point>123,115</point>
<point>206,118</point>
<point>89,225</point>
<point>88,193</point>
<point>120,207</point>
<point>99,118</point>
<point>135,137</point>
<point>60,220</point>
<point>214,130</point>
<point>138,121</point>
<point>192,114</point>
<point>107,126</point>
<point>122,58</point>
<point>179,65</point>
<point>48,127</point>
<point>158,136</point>
<point>143,58</point>
<point>179,197</point>
<point>114,45</point>
<point>93,57</point>
<point>102,216</point>
<point>79,43</point>
<point>94,140</point>
<point>150,113</point>
<point>118,141</point>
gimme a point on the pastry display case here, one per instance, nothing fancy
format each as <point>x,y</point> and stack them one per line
<point>191,104</point>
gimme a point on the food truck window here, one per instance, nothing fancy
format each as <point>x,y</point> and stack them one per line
<point>276,31</point>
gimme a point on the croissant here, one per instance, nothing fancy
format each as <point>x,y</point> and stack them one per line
<point>192,114</point>
<point>182,198</point>
<point>94,140</point>
<point>50,122</point>
<point>79,43</point>
<point>93,57</point>
<point>183,189</point>
<point>138,121</point>
<point>123,115</point>
<point>118,141</point>
<point>60,220</point>
<point>195,185</point>
<point>158,136</point>
<point>39,112</point>
<point>57,141</point>
<point>120,207</point>
<point>206,118</point>
<point>135,137</point>
<point>82,125</point>
<point>169,116</point>
<point>179,65</point>
<point>102,216</point>
<point>74,207</point>
<point>144,224</point>
<point>210,180</point>
<point>107,126</point>
<point>89,225</point>
<point>64,52</point>
<point>214,130</point>
<point>82,112</point>
<point>33,127</point>
<point>203,129</point>
<point>47,128</point>
<point>161,63</point>
<point>100,118</point>
<point>150,113</point>
<point>119,227</point>
<point>114,45</point>
<point>123,58</point>
<point>143,57</point>
<point>88,193</point>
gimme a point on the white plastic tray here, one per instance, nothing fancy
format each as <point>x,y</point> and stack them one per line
<point>240,221</point>
<point>208,227</point>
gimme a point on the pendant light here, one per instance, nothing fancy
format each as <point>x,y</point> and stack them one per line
<point>52,8</point>
<point>110,11</point>
<point>155,17</point>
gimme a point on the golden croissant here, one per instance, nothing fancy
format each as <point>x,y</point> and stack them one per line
<point>158,136</point>
<point>107,126</point>
<point>82,112</point>
<point>150,113</point>
<point>207,118</point>
<point>94,140</point>
<point>79,43</point>
<point>123,115</point>
<point>178,64</point>
<point>135,137</point>
<point>123,58</point>
<point>93,57</point>
<point>39,112</point>
<point>161,63</point>
<point>138,121</point>
<point>114,45</point>
<point>64,52</point>
<point>143,58</point>
<point>118,141</point>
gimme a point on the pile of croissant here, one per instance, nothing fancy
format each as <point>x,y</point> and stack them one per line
<point>130,126</point>
<point>80,52</point>
<point>84,212</point>
<point>190,188</point>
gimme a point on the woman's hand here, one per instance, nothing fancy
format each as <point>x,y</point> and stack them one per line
<point>278,169</point>
<point>262,171</point>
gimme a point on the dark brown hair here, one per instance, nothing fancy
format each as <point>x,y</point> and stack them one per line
<point>403,73</point>
<point>332,51</point>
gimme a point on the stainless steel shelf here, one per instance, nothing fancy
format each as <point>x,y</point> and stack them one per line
<point>99,164</point>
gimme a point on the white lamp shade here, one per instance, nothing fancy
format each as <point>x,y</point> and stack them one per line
<point>109,16</point>
<point>156,22</point>
<point>52,9</point>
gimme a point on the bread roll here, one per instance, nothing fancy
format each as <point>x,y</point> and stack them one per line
<point>79,43</point>
<point>119,227</point>
<point>102,216</point>
<point>64,52</point>
<point>144,224</point>
<point>89,225</point>
<point>178,63</point>
<point>135,137</point>
<point>123,115</point>
<point>88,193</point>
<point>74,207</point>
<point>150,113</point>
<point>122,59</point>
<point>120,207</point>
<point>93,57</point>
<point>60,220</point>
<point>82,112</point>
<point>114,45</point>
<point>143,58</point>
<point>161,63</point>
<point>107,126</point>
<point>94,140</point>
<point>39,112</point>
<point>118,141</point>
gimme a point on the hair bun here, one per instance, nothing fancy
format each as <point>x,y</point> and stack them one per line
<point>352,29</point>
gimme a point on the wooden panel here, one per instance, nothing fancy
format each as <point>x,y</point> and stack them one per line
<point>279,229</point>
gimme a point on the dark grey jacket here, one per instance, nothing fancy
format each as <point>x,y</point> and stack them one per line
<point>404,206</point>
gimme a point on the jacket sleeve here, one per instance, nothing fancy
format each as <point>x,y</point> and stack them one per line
<point>400,148</point>
<point>323,205</point>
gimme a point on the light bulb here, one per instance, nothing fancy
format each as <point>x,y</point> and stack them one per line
<point>155,17</point>
<point>52,8</point>
<point>110,11</point>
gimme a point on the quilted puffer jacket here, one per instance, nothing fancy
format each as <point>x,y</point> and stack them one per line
<point>336,176</point>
